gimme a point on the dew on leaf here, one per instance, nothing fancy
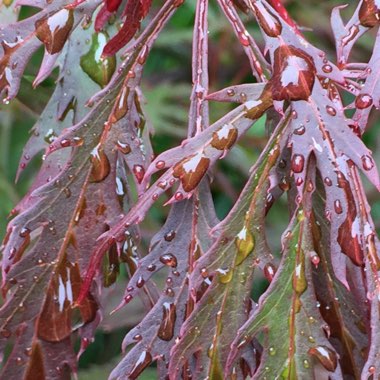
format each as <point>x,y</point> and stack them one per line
<point>139,172</point>
<point>326,356</point>
<point>170,235</point>
<point>224,275</point>
<point>100,165</point>
<point>338,206</point>
<point>299,279</point>
<point>54,30</point>
<point>298,162</point>
<point>170,292</point>
<point>327,68</point>
<point>123,147</point>
<point>142,362</point>
<point>140,282</point>
<point>98,69</point>
<point>367,161</point>
<point>24,232</point>
<point>178,196</point>
<point>166,329</point>
<point>245,242</point>
<point>191,170</point>
<point>169,260</point>
<point>160,165</point>
<point>293,74</point>
<point>269,271</point>
<point>128,298</point>
<point>363,101</point>
<point>327,181</point>
<point>121,106</point>
<point>331,110</point>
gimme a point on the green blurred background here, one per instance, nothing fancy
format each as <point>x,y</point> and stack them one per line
<point>167,87</point>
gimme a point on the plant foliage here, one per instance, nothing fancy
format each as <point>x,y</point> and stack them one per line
<point>78,225</point>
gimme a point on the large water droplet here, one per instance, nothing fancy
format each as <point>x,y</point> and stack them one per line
<point>142,362</point>
<point>326,356</point>
<point>54,30</point>
<point>166,330</point>
<point>363,101</point>
<point>100,70</point>
<point>169,260</point>
<point>139,172</point>
<point>298,162</point>
<point>245,243</point>
<point>269,271</point>
<point>368,163</point>
<point>100,165</point>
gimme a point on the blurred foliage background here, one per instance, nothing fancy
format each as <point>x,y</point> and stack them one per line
<point>167,87</point>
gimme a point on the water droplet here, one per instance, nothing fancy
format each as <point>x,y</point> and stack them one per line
<point>151,267</point>
<point>170,292</point>
<point>372,369</point>
<point>327,68</point>
<point>245,244</point>
<point>53,31</point>
<point>169,260</point>
<point>178,196</point>
<point>327,181</point>
<point>299,279</point>
<point>155,196</point>
<point>166,329</point>
<point>326,356</point>
<point>128,298</point>
<point>338,206</point>
<point>368,163</point>
<point>306,363</point>
<point>272,351</point>
<point>99,69</point>
<point>269,271</point>
<point>140,282</point>
<point>24,232</point>
<point>123,147</point>
<point>100,165</point>
<point>300,130</point>
<point>169,236</point>
<point>139,172</point>
<point>331,110</point>
<point>137,337</point>
<point>230,92</point>
<point>363,101</point>
<point>160,165</point>
<point>315,259</point>
<point>298,162</point>
<point>225,275</point>
<point>142,362</point>
<point>299,181</point>
<point>293,74</point>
